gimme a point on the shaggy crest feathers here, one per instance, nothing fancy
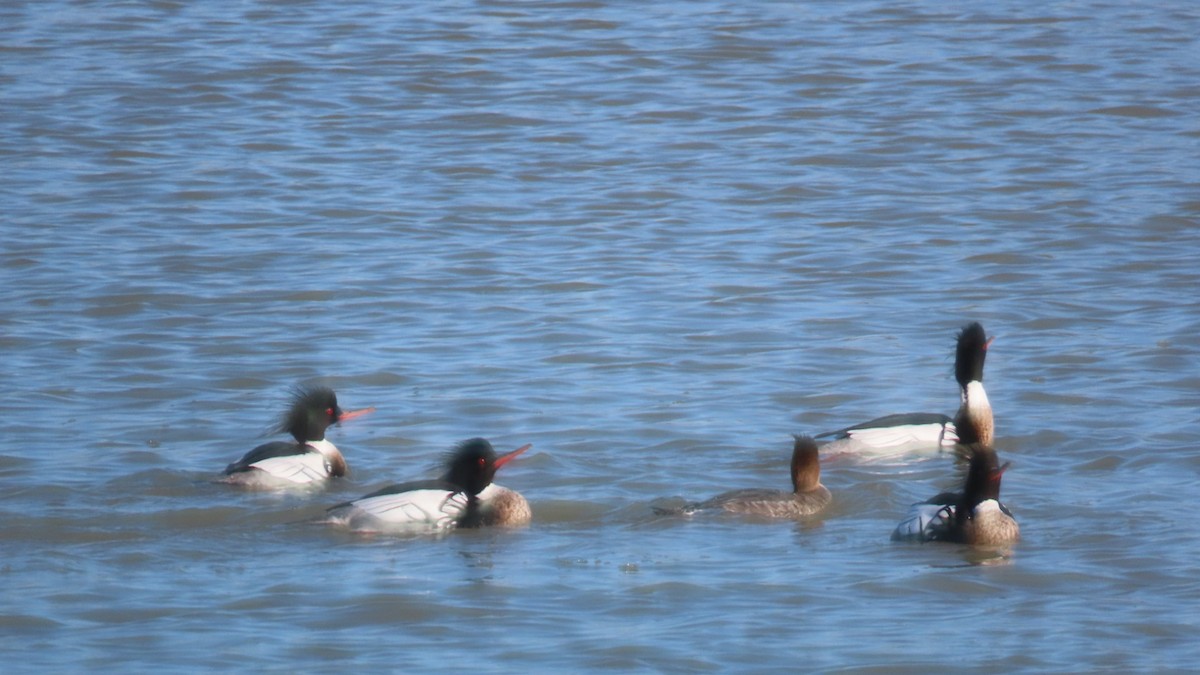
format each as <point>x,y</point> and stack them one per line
<point>312,411</point>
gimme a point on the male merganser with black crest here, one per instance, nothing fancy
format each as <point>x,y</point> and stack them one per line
<point>972,424</point>
<point>311,458</point>
<point>807,497</point>
<point>975,516</point>
<point>460,498</point>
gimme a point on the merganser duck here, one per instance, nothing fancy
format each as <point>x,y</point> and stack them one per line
<point>460,498</point>
<point>972,424</point>
<point>975,516</point>
<point>310,458</point>
<point>807,497</point>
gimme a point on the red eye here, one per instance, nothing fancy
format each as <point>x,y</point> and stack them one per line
<point>482,461</point>
<point>329,411</point>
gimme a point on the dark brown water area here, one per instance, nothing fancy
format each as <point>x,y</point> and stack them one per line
<point>652,240</point>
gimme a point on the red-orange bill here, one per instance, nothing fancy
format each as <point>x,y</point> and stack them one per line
<point>508,457</point>
<point>354,413</point>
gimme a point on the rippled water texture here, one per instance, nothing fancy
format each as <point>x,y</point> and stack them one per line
<point>652,240</point>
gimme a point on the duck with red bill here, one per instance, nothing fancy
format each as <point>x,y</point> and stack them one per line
<point>974,516</point>
<point>463,497</point>
<point>310,458</point>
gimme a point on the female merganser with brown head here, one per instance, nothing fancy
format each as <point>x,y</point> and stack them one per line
<point>807,497</point>
<point>972,424</point>
<point>975,516</point>
<point>458,499</point>
<point>308,460</point>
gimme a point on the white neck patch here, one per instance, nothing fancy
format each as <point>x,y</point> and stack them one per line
<point>324,447</point>
<point>987,507</point>
<point>975,396</point>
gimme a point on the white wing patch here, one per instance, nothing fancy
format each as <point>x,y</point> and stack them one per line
<point>429,510</point>
<point>908,434</point>
<point>923,522</point>
<point>306,468</point>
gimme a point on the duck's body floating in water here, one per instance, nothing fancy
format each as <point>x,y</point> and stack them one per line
<point>310,459</point>
<point>974,516</point>
<point>914,431</point>
<point>808,495</point>
<point>463,497</point>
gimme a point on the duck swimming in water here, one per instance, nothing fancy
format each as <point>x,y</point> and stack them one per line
<point>308,460</point>
<point>974,516</point>
<point>973,422</point>
<point>460,498</point>
<point>808,495</point>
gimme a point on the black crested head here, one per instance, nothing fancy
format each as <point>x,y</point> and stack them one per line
<point>970,354</point>
<point>311,412</point>
<point>471,465</point>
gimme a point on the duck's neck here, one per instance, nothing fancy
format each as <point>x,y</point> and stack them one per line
<point>974,422</point>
